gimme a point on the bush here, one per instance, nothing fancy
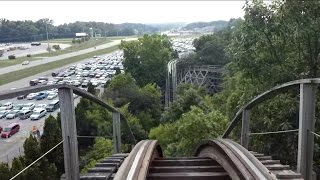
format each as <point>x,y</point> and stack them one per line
<point>56,47</point>
<point>28,55</point>
<point>12,57</point>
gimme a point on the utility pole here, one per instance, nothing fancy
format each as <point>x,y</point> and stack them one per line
<point>47,36</point>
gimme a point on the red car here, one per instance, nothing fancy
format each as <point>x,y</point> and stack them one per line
<point>10,130</point>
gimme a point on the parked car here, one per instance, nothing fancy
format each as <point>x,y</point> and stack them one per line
<point>17,107</point>
<point>40,106</point>
<point>1,129</point>
<point>38,114</point>
<point>41,95</point>
<point>28,106</point>
<point>31,96</point>
<point>25,114</point>
<point>22,96</point>
<point>8,105</point>
<point>10,130</point>
<point>34,82</point>
<point>25,62</point>
<point>53,105</point>
<point>52,95</point>
<point>3,114</point>
<point>13,114</point>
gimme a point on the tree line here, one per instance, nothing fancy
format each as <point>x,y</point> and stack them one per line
<point>26,31</point>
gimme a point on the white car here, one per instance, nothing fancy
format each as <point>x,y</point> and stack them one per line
<point>8,105</point>
<point>38,114</point>
<point>25,62</point>
<point>28,106</point>
<point>52,95</point>
<point>40,106</point>
<point>31,96</point>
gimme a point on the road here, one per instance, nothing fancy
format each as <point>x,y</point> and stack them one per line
<point>32,50</point>
<point>63,56</point>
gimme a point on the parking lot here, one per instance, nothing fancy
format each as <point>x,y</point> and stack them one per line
<point>97,70</point>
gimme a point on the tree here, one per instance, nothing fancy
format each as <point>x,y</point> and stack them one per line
<point>180,137</point>
<point>32,149</point>
<point>102,148</point>
<point>5,171</point>
<point>16,167</point>
<point>51,137</point>
<point>187,96</point>
<point>146,59</point>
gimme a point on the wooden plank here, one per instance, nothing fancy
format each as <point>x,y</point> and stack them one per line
<point>306,124</point>
<point>185,162</point>
<point>245,128</point>
<point>173,169</point>
<point>116,132</point>
<point>191,176</point>
<point>69,133</point>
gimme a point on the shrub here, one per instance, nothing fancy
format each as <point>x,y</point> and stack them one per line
<point>28,55</point>
<point>12,57</point>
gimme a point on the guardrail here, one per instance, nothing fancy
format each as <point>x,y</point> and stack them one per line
<point>308,88</point>
<point>68,122</point>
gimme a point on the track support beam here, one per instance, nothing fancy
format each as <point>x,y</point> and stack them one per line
<point>306,125</point>
<point>245,130</point>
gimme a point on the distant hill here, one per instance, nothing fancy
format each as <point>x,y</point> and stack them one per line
<point>167,26</point>
<point>213,24</point>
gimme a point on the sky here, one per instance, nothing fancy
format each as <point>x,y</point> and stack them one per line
<point>122,11</point>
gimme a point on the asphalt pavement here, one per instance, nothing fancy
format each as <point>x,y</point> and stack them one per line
<point>63,56</point>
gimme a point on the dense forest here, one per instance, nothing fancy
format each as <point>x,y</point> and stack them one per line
<point>273,43</point>
<point>217,24</point>
<point>21,31</point>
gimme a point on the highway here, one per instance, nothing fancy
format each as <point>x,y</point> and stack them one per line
<point>60,57</point>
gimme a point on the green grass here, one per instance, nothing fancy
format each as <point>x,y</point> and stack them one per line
<point>20,74</point>
<point>73,48</point>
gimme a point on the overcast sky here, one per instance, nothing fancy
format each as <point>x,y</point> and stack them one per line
<point>122,11</point>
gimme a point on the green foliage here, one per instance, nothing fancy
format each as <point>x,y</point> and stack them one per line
<point>5,171</point>
<point>101,149</point>
<point>187,96</point>
<point>180,137</point>
<point>16,167</point>
<point>143,102</point>
<point>32,149</point>
<point>52,136</point>
<point>146,59</point>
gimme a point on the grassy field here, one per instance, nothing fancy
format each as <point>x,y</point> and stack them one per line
<point>16,75</point>
<point>73,48</point>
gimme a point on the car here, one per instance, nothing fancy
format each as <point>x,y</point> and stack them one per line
<point>22,96</point>
<point>94,56</point>
<point>3,114</point>
<point>40,106</point>
<point>38,114</point>
<point>13,114</point>
<point>8,105</point>
<point>25,62</point>
<point>1,129</point>
<point>24,114</point>
<point>41,95</point>
<point>17,107</point>
<point>43,82</point>
<point>35,44</point>
<point>52,95</point>
<point>28,106</point>
<point>10,130</point>
<point>53,105</point>
<point>31,96</point>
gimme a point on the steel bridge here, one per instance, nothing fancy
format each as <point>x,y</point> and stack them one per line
<point>219,158</point>
<point>208,76</point>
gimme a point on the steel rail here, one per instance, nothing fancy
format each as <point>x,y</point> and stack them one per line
<point>264,96</point>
